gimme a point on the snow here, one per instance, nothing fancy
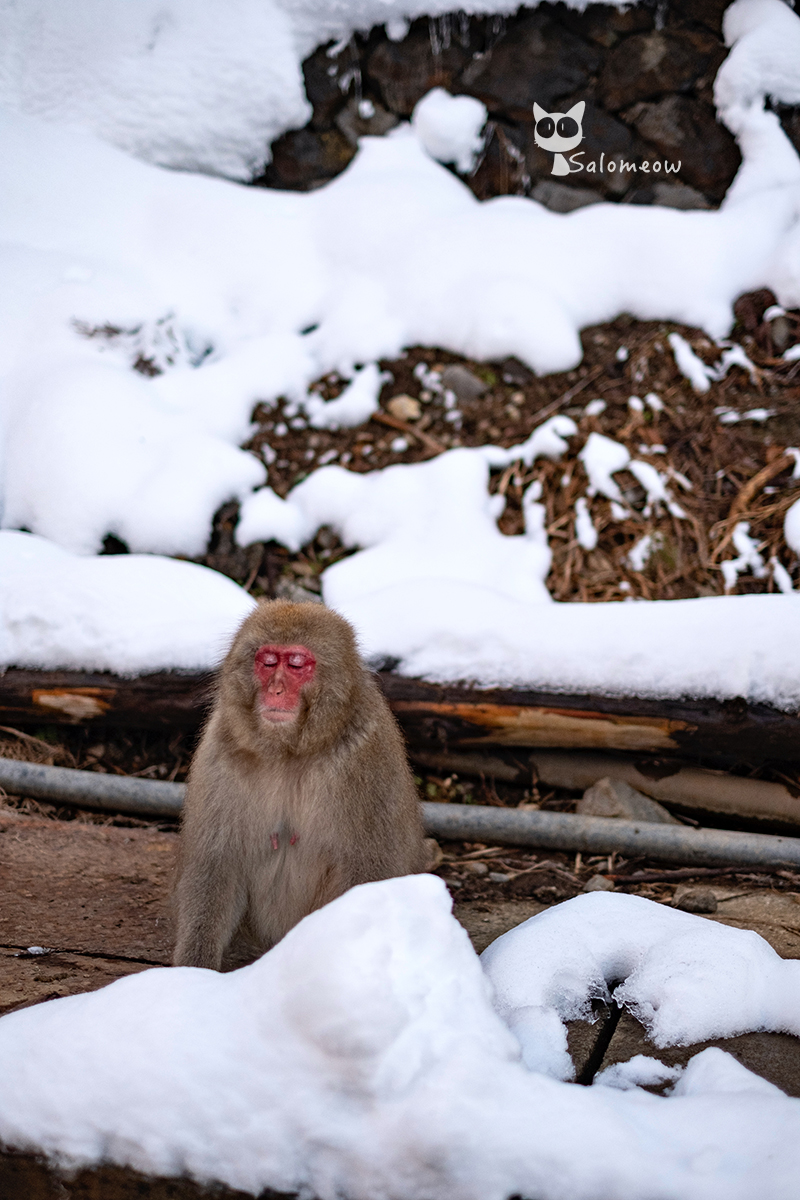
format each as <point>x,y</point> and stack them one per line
<point>354,405</point>
<point>601,458</point>
<point>585,530</point>
<point>449,127</point>
<point>241,296</point>
<point>791,527</point>
<point>127,613</point>
<point>362,1057</point>
<point>689,364</point>
<point>685,979</point>
<point>748,558</point>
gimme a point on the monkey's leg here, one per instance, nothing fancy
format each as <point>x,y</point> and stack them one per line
<point>210,905</point>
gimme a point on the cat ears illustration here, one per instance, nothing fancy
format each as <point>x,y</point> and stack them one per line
<point>559,131</point>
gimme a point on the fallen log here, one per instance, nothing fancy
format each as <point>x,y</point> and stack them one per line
<point>434,716</point>
<point>688,788</point>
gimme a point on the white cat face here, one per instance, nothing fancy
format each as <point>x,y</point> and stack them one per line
<point>558,132</point>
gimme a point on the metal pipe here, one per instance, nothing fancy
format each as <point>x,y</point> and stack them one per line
<point>607,835</point>
<point>474,822</point>
<point>90,789</point>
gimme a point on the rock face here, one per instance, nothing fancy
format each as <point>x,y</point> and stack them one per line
<point>650,64</point>
<point>645,76</point>
<point>540,60</point>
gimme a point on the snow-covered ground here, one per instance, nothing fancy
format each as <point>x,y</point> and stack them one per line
<point>242,295</point>
<point>362,1057</point>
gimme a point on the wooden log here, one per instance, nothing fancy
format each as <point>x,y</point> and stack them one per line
<point>434,717</point>
<point>166,700</point>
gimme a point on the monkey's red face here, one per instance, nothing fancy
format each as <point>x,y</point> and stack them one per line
<point>282,672</point>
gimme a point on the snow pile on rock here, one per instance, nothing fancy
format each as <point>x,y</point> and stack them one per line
<point>362,1057</point>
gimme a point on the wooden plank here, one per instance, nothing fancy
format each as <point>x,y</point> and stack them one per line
<point>434,716</point>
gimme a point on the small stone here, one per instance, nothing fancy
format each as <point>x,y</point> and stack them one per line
<point>464,383</point>
<point>405,408</point>
<point>454,883</point>
<point>615,798</point>
<point>475,868</point>
<point>599,883</point>
<point>499,877</point>
<point>695,900</point>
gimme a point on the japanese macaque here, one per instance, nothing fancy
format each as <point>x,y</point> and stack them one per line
<point>300,787</point>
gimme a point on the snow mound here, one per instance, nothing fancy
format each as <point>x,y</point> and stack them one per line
<point>127,613</point>
<point>362,1057</point>
<point>686,979</point>
<point>449,127</point>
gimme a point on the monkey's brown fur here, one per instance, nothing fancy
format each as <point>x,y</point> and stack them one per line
<point>333,789</point>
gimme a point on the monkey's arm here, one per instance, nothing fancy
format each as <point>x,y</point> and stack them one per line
<point>210,903</point>
<point>210,895</point>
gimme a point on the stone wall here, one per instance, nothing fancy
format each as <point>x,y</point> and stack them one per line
<point>646,75</point>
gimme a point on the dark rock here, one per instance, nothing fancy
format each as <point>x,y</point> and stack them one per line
<point>560,198</point>
<point>502,169</point>
<point>615,798</point>
<point>538,60</point>
<point>749,309</point>
<point>304,159</point>
<point>790,121</point>
<point>322,73</point>
<point>404,71</point>
<point>773,1056</point>
<point>648,65</point>
<point>514,371</point>
<point>364,118</point>
<point>605,140</point>
<point>695,900</point>
<point>706,12</point>
<point>605,25</point>
<point>668,195</point>
<point>466,385</point>
<point>687,131</point>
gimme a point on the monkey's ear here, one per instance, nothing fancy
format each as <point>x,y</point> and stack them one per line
<point>576,112</point>
<point>538,112</point>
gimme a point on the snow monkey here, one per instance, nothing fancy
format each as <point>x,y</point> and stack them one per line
<point>558,133</point>
<point>299,789</point>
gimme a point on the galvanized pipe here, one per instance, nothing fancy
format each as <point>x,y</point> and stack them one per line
<point>607,835</point>
<point>473,822</point>
<point>90,789</point>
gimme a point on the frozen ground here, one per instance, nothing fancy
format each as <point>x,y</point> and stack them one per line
<point>242,295</point>
<point>362,1054</point>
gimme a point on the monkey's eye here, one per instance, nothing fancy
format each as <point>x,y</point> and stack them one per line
<point>546,127</point>
<point>298,660</point>
<point>567,127</point>
<point>268,658</point>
